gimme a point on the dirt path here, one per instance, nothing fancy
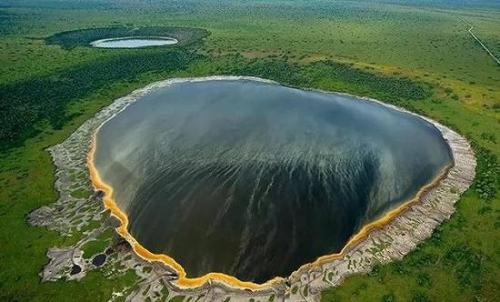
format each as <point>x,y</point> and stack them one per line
<point>484,46</point>
<point>480,42</point>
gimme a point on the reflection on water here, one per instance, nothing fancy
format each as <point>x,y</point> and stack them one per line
<point>255,179</point>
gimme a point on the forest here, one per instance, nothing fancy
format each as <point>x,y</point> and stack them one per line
<point>45,99</point>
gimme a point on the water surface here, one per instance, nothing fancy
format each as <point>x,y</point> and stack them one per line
<point>255,179</point>
<point>133,42</point>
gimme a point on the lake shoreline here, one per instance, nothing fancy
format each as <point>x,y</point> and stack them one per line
<point>434,200</point>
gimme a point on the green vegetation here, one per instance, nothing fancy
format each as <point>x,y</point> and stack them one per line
<point>84,37</point>
<point>177,299</point>
<point>98,245</point>
<point>327,73</point>
<point>81,193</point>
<point>46,98</point>
<point>416,54</point>
<point>93,247</point>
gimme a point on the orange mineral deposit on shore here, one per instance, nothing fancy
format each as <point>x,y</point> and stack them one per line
<point>185,281</point>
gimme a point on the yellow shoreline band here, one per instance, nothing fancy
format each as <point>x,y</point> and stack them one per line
<point>184,281</point>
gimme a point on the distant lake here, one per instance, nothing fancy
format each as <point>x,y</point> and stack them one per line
<point>255,179</point>
<point>133,42</point>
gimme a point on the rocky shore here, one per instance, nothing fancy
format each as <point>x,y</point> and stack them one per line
<point>86,217</point>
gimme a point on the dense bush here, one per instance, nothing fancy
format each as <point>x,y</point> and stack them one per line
<point>487,174</point>
<point>26,103</point>
<point>465,264</point>
<point>348,78</point>
<point>387,88</point>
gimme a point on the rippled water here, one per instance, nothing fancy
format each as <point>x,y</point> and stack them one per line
<point>133,42</point>
<point>255,179</point>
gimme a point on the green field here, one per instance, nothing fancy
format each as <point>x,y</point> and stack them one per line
<point>416,54</point>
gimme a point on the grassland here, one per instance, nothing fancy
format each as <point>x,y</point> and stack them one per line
<point>417,56</point>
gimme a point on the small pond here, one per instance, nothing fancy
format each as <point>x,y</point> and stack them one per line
<point>133,42</point>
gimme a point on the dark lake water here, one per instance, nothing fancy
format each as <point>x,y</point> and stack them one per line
<point>255,179</point>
